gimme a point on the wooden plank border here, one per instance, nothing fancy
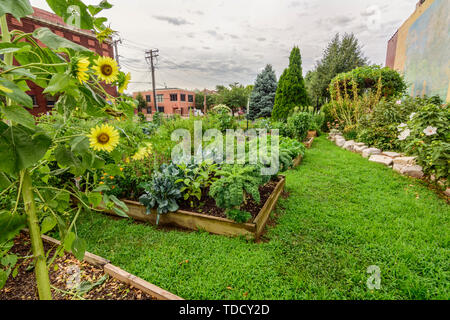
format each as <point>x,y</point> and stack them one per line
<point>297,161</point>
<point>215,225</point>
<point>263,216</point>
<point>308,142</point>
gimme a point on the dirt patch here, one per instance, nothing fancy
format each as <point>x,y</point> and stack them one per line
<point>65,271</point>
<point>208,207</point>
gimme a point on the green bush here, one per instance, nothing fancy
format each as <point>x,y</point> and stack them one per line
<point>328,117</point>
<point>392,83</point>
<point>298,125</point>
<point>428,136</point>
<point>380,127</point>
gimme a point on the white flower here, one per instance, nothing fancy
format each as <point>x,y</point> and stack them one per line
<point>412,116</point>
<point>399,102</point>
<point>402,126</point>
<point>430,131</point>
<point>405,134</point>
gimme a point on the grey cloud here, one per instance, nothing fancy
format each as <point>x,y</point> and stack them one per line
<point>215,34</point>
<point>342,20</point>
<point>173,20</point>
<point>261,39</point>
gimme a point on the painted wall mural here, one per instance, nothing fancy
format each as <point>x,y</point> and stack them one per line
<point>427,65</point>
<point>422,50</point>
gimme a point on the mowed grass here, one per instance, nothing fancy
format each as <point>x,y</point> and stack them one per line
<point>343,215</point>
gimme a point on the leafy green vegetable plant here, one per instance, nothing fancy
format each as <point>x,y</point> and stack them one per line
<point>163,192</point>
<point>236,182</point>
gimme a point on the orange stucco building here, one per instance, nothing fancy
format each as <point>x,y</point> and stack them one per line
<point>168,101</point>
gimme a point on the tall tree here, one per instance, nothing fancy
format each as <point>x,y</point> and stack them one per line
<point>341,55</point>
<point>262,98</point>
<point>291,90</point>
<point>235,96</point>
<point>141,102</point>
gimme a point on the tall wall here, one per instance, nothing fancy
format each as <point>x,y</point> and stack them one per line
<point>421,49</point>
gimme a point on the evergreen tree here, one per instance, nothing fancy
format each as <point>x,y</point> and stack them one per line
<point>341,55</point>
<point>262,98</point>
<point>291,90</point>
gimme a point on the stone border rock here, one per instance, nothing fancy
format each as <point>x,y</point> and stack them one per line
<point>121,275</point>
<point>404,165</point>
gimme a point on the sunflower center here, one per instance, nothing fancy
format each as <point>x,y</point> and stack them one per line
<point>107,70</point>
<point>103,138</point>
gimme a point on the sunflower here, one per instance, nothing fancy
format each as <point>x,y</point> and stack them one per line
<point>82,67</point>
<point>106,69</point>
<point>124,80</point>
<point>143,152</point>
<point>104,138</point>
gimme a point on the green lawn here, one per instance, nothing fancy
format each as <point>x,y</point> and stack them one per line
<point>343,215</point>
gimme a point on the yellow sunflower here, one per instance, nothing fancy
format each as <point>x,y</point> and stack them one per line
<point>125,80</point>
<point>82,67</point>
<point>104,138</point>
<point>143,152</point>
<point>106,69</point>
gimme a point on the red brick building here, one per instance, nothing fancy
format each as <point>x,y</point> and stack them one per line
<point>168,101</point>
<point>41,18</point>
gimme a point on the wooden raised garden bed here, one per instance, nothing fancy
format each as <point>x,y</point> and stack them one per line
<point>297,161</point>
<point>115,283</point>
<point>308,142</point>
<point>212,224</point>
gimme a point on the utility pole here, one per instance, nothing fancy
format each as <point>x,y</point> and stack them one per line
<point>204,102</point>
<point>116,50</point>
<point>150,55</point>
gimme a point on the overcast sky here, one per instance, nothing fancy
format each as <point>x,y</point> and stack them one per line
<point>203,43</point>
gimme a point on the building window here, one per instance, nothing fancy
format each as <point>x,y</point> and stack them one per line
<point>190,98</point>
<point>174,97</point>
<point>160,98</point>
<point>161,109</point>
<point>149,110</point>
<point>33,97</point>
<point>51,101</point>
<point>148,98</point>
<point>182,97</point>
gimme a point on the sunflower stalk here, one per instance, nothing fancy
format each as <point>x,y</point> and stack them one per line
<point>41,271</point>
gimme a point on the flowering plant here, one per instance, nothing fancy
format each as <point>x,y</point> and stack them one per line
<point>33,154</point>
<point>427,135</point>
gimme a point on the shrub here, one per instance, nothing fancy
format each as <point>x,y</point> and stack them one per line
<point>428,136</point>
<point>281,127</point>
<point>392,83</point>
<point>328,119</point>
<point>298,125</point>
<point>380,127</point>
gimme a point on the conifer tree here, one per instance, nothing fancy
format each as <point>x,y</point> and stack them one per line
<point>291,90</point>
<point>262,98</point>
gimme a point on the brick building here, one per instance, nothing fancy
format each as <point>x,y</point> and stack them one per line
<point>169,101</point>
<point>420,49</point>
<point>41,18</point>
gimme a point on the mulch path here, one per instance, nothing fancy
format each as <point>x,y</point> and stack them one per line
<point>63,274</point>
<point>209,206</point>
